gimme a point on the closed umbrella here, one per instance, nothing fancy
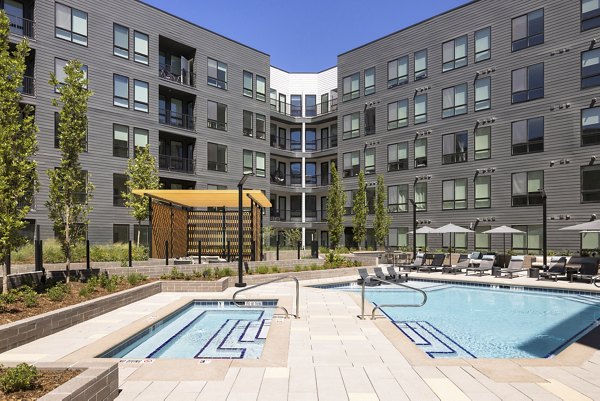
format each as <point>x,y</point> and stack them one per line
<point>503,230</point>
<point>451,229</point>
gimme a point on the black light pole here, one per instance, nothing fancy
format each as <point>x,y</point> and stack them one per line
<point>544,228</point>
<point>414,205</point>
<point>240,282</point>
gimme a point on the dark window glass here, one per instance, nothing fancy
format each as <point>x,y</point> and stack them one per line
<point>528,83</point>
<point>528,30</point>
<point>528,136</point>
<point>590,184</point>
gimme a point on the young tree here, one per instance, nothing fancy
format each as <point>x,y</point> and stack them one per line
<point>293,236</point>
<point>360,211</point>
<point>336,201</point>
<point>381,223</point>
<point>142,173</point>
<point>18,145</point>
<point>70,190</point>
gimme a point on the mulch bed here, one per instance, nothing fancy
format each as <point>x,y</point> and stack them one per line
<point>48,381</point>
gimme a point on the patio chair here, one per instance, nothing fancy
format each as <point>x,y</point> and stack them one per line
<point>462,263</point>
<point>587,271</point>
<point>484,266</point>
<point>380,274</point>
<point>419,261</point>
<point>364,278</point>
<point>514,266</point>
<point>396,277</point>
<point>436,263</point>
<point>559,269</point>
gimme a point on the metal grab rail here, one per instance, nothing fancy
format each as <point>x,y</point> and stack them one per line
<point>362,312</point>
<point>287,315</point>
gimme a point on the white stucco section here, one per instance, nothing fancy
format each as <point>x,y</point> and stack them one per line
<point>303,83</point>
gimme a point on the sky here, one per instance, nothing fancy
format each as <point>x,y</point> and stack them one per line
<point>305,35</point>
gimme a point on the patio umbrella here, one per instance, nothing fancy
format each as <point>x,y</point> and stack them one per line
<point>503,230</point>
<point>424,230</point>
<point>451,229</point>
<point>591,226</point>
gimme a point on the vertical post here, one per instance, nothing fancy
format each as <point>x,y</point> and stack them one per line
<point>199,251</point>
<point>544,229</point>
<point>130,254</point>
<point>167,253</point>
<point>36,249</point>
<point>171,209</point>
<point>224,232</point>
<point>240,282</point>
<point>299,245</point>
<point>414,205</point>
<point>277,249</point>
<point>150,226</point>
<point>262,240</point>
<point>41,251</point>
<point>253,251</point>
<point>229,251</point>
<point>7,265</point>
<point>362,304</point>
<point>88,264</point>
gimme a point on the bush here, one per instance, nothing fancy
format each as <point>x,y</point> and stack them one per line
<point>275,269</point>
<point>227,271</point>
<point>109,283</point>
<point>22,377</point>
<point>85,291</point>
<point>297,268</point>
<point>207,273</point>
<point>58,292</point>
<point>136,278</point>
<point>11,297</point>
<point>29,297</point>
<point>175,274</point>
<point>262,269</point>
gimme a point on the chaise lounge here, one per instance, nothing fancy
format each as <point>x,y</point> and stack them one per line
<point>436,263</point>
<point>365,278</point>
<point>484,266</point>
<point>514,266</point>
<point>559,269</point>
<point>397,277</point>
<point>462,263</point>
<point>587,271</point>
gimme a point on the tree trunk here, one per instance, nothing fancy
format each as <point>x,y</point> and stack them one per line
<point>68,269</point>
<point>4,279</point>
<point>139,232</point>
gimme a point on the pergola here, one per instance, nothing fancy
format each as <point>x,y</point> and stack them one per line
<point>190,222</point>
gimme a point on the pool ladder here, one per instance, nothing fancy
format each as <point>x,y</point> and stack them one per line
<point>287,314</point>
<point>379,307</point>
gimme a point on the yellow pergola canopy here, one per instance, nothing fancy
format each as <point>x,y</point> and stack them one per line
<point>206,198</point>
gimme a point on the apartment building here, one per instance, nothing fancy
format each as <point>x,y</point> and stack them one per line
<point>469,114</point>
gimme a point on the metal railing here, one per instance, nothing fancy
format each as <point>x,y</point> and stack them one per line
<point>28,87</point>
<point>379,307</point>
<point>180,76</point>
<point>287,314</point>
<point>295,215</point>
<point>21,26</point>
<point>295,145</point>
<point>175,119</point>
<point>173,163</point>
<point>293,110</point>
<point>295,180</point>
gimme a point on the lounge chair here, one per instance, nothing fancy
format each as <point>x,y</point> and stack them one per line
<point>396,277</point>
<point>418,262</point>
<point>587,271</point>
<point>559,269</point>
<point>380,274</point>
<point>365,278</point>
<point>514,266</point>
<point>462,263</point>
<point>484,266</point>
<point>436,263</point>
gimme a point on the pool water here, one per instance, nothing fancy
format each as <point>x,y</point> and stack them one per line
<point>203,330</point>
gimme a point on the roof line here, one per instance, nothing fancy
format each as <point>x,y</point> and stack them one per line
<point>304,72</point>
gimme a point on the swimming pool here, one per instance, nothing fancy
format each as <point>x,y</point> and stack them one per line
<point>202,330</point>
<point>460,321</point>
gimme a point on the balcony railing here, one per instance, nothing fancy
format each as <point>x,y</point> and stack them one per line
<point>309,111</point>
<point>180,164</point>
<point>26,201</point>
<point>310,145</point>
<point>21,26</point>
<point>180,120</point>
<point>295,180</point>
<point>180,76</point>
<point>28,87</point>
<point>295,215</point>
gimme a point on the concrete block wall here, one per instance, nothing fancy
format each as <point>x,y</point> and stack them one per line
<point>95,383</point>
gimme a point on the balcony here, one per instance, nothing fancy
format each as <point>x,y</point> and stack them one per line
<point>295,145</point>
<point>291,110</point>
<point>175,119</point>
<point>295,215</point>
<point>179,75</point>
<point>295,180</point>
<point>176,62</point>
<point>178,164</point>
<point>20,26</point>
<point>28,87</point>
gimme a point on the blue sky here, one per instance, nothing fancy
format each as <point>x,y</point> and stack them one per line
<point>305,35</point>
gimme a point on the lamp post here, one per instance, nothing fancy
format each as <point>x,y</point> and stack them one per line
<point>240,282</point>
<point>414,205</point>
<point>544,228</point>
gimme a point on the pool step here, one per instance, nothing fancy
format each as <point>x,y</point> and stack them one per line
<point>431,340</point>
<point>236,339</point>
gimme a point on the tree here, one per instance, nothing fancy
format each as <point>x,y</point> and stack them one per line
<point>142,173</point>
<point>18,145</point>
<point>293,236</point>
<point>381,223</point>
<point>70,189</point>
<point>336,201</point>
<point>360,211</point>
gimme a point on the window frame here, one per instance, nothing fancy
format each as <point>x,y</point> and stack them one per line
<point>485,103</point>
<point>422,120</point>
<point>261,96</point>
<point>594,18</point>
<point>398,79</point>
<point>140,132</point>
<point>216,124</point>
<point>353,169</point>
<point>247,155</point>
<point>370,121</point>
<point>218,83</point>
<point>70,31</point>
<point>421,205</point>
<point>248,91</point>
<point>528,142</point>
<point>528,95</point>
<point>487,150</point>
<point>139,56</point>
<point>370,168</point>
<point>124,55</point>
<point>454,201</point>
<point>533,198</point>
<point>118,200</point>
<point>353,94</point>
<point>398,122</point>
<point>420,74</point>
<point>487,199</point>
<point>398,207</point>
<point>248,117</point>
<point>453,158</point>
<point>594,77</point>
<point>454,106</point>
<point>261,133</point>
<point>595,134</point>
<point>115,91</point>
<point>138,105</point>
<point>217,164</point>
<point>488,50</point>
<point>120,150</point>
<point>528,37</point>
<point>397,164</point>
<point>353,133</point>
<point>596,191</point>
<point>420,159</point>
<point>454,61</point>
<point>369,90</point>
<point>260,172</point>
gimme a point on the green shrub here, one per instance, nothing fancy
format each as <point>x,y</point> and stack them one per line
<point>297,268</point>
<point>11,297</point>
<point>275,269</point>
<point>262,269</point>
<point>29,296</point>
<point>86,291</point>
<point>136,278</point>
<point>109,283</point>
<point>227,271</point>
<point>207,273</point>
<point>175,274</point>
<point>22,377</point>
<point>58,292</point>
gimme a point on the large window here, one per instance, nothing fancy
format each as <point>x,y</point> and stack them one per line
<point>398,72</point>
<point>121,233</point>
<point>397,114</point>
<point>482,241</point>
<point>119,187</point>
<point>351,87</point>
<point>421,64</point>
<point>369,81</point>
<point>421,152</point>
<point>217,157</point>
<point>590,241</point>
<point>140,138</point>
<point>370,121</point>
<point>120,140</point>
<point>261,88</point>
<point>590,14</point>
<point>71,24</point>
<point>483,143</point>
<point>120,41</point>
<point>369,161</point>
<point>528,30</point>
<point>217,115</point>
<point>351,164</point>
<point>528,83</point>
<point>311,105</point>
<point>296,105</point>
<point>140,96</point>
<point>261,126</point>
<point>483,94</point>
<point>454,53</point>
<point>248,163</point>
<point>590,184</point>
<point>398,156</point>
<point>454,194</point>
<point>455,148</point>
<point>349,195</point>
<point>421,196</point>
<point>454,101</point>
<point>421,109</point>
<point>590,68</point>
<point>217,74</point>
<point>483,44</point>
<point>526,188</point>
<point>398,237</point>
<point>590,126</point>
<point>398,198</point>
<point>248,84</point>
<point>351,125</point>
<point>248,116</point>
<point>140,47</point>
<point>260,164</point>
<point>528,136</point>
<point>483,191</point>
<point>120,91</point>
<point>530,241</point>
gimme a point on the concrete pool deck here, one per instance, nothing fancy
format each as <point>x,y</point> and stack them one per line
<point>328,354</point>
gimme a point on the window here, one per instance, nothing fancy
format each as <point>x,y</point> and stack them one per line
<point>590,126</point>
<point>483,44</point>
<point>295,206</point>
<point>119,187</point>
<point>528,242</point>
<point>351,164</point>
<point>454,194</point>
<point>261,126</point>
<point>421,196</point>
<point>370,200</point>
<point>296,105</point>
<point>528,30</point>
<point>247,123</point>
<point>325,103</point>
<point>260,164</point>
<point>248,84</point>
<point>455,147</point>
<point>120,91</point>
<point>282,138</point>
<point>528,136</point>
<point>590,68</point>
<point>295,139</point>
<point>334,137</point>
<point>398,156</point>
<point>421,64</point>
<point>454,101</point>
<point>120,41</point>
<point>525,188</point>
<point>311,105</point>
<point>369,81</point>
<point>590,241</point>
<point>143,234</point>
<point>590,184</point>
<point>421,109</point>
<point>120,233</point>
<point>421,152</point>
<point>483,143</point>
<point>261,88</point>
<point>398,72</point>
<point>483,92</point>
<point>217,115</point>
<point>369,161</point>
<point>370,121</point>
<point>528,83</point>
<point>398,198</point>
<point>590,14</point>
<point>140,96</point>
<point>140,138</point>
<point>217,74</point>
<point>397,114</point>
<point>217,157</point>
<point>282,104</point>
<point>351,125</point>
<point>140,47</point>
<point>310,140</point>
<point>458,241</point>
<point>71,24</point>
<point>120,140</point>
<point>351,86</point>
<point>349,196</point>
<point>248,162</point>
<point>324,140</point>
<point>398,237</point>
<point>273,99</point>
<point>454,54</point>
<point>483,192</point>
<point>482,241</point>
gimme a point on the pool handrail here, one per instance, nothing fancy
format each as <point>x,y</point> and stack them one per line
<point>287,314</point>
<point>362,312</point>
